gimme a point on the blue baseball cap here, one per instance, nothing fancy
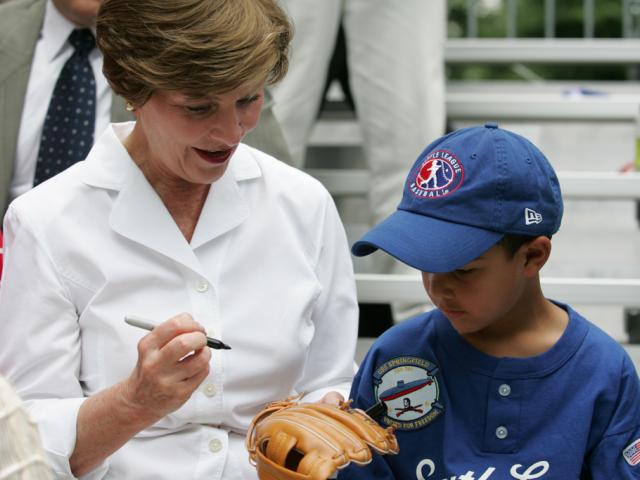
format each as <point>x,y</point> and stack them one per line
<point>466,191</point>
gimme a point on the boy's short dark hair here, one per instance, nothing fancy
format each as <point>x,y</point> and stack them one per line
<point>512,243</point>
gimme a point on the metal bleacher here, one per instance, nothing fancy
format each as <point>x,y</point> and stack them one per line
<point>588,131</point>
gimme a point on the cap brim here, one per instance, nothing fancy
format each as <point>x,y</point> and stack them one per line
<point>426,243</point>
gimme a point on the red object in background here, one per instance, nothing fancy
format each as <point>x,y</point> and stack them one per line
<point>628,167</point>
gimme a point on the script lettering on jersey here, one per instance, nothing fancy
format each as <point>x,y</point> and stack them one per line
<point>426,468</point>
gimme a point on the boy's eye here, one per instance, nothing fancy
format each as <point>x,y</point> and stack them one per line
<point>465,271</point>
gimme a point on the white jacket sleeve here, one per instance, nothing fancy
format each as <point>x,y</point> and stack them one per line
<point>40,340</point>
<point>330,362</point>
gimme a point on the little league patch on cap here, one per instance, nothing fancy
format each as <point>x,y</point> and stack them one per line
<point>466,191</point>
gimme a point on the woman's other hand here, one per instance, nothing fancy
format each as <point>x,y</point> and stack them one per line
<point>173,360</point>
<point>332,398</point>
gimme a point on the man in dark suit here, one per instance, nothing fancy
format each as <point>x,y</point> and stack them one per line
<point>33,47</point>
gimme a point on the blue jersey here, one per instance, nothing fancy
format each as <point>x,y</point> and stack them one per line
<point>570,413</point>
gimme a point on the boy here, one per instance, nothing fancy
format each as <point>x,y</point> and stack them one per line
<point>497,382</point>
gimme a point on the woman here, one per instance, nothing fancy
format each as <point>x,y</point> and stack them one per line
<point>174,214</point>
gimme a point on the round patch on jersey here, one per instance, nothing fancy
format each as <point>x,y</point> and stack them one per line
<point>439,175</point>
<point>409,388</point>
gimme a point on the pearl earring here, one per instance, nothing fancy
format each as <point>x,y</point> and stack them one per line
<point>129,107</point>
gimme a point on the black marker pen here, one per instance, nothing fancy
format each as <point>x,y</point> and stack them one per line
<point>147,325</point>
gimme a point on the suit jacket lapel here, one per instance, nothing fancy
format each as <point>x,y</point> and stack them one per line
<point>20,28</point>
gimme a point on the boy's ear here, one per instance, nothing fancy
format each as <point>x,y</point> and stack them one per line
<point>536,253</point>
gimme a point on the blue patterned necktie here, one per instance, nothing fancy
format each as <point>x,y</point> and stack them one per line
<point>67,134</point>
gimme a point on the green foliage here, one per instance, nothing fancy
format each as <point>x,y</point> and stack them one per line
<point>492,22</point>
<point>492,18</point>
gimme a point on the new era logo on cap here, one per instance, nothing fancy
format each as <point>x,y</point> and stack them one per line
<point>531,217</point>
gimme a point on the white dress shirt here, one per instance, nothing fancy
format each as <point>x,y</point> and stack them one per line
<point>51,53</point>
<point>268,271</point>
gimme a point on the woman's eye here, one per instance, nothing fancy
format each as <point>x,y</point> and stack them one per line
<point>249,100</point>
<point>198,109</point>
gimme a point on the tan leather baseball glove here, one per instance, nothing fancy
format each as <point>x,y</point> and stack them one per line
<point>310,441</point>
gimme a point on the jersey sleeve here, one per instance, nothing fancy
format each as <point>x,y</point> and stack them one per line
<point>617,454</point>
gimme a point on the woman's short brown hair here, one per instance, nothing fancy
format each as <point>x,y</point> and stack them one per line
<point>196,47</point>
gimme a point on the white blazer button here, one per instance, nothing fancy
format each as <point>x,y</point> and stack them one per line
<point>215,445</point>
<point>202,286</point>
<point>210,390</point>
<point>504,390</point>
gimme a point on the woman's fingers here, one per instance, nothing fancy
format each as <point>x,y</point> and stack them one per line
<point>166,331</point>
<point>194,363</point>
<point>173,360</point>
<point>182,345</point>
